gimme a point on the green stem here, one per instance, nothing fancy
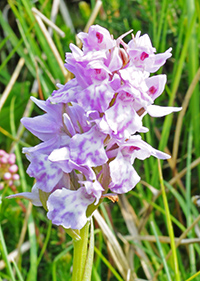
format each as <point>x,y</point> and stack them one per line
<point>80,254</point>
<point>90,255</point>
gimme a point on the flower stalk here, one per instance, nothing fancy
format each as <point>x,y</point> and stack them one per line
<point>80,254</point>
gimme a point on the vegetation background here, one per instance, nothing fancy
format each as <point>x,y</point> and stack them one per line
<point>152,233</point>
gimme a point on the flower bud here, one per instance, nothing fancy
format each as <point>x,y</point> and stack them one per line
<point>7,176</point>
<point>13,169</point>
<point>15,177</point>
<point>2,152</point>
<point>12,158</point>
<point>4,160</point>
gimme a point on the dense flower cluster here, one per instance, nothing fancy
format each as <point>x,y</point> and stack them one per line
<point>89,131</point>
<point>8,170</point>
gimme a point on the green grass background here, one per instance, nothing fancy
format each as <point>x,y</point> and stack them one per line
<point>161,204</point>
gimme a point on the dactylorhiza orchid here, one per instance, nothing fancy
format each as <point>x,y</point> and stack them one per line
<point>90,129</point>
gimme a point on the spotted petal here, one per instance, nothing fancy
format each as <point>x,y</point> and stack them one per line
<point>44,171</point>
<point>123,175</point>
<point>68,207</point>
<point>88,148</point>
<point>121,119</point>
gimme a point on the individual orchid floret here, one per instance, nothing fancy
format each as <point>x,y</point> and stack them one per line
<point>142,54</point>
<point>123,175</point>
<point>121,120</point>
<point>96,39</point>
<point>88,68</point>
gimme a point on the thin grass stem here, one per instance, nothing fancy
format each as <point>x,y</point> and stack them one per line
<point>5,256</point>
<point>161,251</point>
<point>169,225</point>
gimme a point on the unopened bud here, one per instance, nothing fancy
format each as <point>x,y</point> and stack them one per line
<point>13,169</point>
<point>7,176</point>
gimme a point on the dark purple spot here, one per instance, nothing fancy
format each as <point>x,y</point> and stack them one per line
<point>152,90</point>
<point>143,56</point>
<point>132,148</point>
<point>98,71</point>
<point>99,37</point>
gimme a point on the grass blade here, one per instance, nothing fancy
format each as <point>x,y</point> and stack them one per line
<point>161,251</point>
<point>5,255</point>
<point>169,225</point>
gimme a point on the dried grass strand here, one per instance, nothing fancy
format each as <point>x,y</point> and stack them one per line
<point>51,44</point>
<point>114,246</point>
<point>48,22</point>
<point>11,82</point>
<point>182,114</point>
<point>12,256</point>
<point>162,239</point>
<point>128,215</point>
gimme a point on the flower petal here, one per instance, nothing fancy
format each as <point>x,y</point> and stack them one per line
<point>97,38</point>
<point>44,171</point>
<point>123,175</point>
<point>88,148</point>
<point>68,207</point>
<point>121,119</point>
<point>160,111</point>
<point>32,196</point>
<point>93,188</point>
<point>96,97</point>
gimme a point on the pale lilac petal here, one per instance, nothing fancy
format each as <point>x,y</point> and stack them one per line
<point>94,188</point>
<point>160,111</point>
<point>156,61</point>
<point>46,173</point>
<point>68,207</point>
<point>88,68</point>
<point>115,61</point>
<point>45,126</point>
<point>122,120</point>
<point>123,175</point>
<point>142,54</point>
<point>143,41</point>
<point>115,83</point>
<point>88,148</point>
<point>135,147</point>
<point>96,97</point>
<point>78,118</point>
<point>32,196</point>
<point>51,109</point>
<point>41,126</point>
<point>62,158</point>
<point>44,147</point>
<point>156,85</point>
<point>40,103</point>
<point>143,130</point>
<point>66,93</point>
<point>97,38</point>
<point>68,123</point>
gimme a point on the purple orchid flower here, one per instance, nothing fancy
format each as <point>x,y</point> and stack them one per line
<point>89,131</point>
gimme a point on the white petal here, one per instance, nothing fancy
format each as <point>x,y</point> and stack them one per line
<point>160,111</point>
